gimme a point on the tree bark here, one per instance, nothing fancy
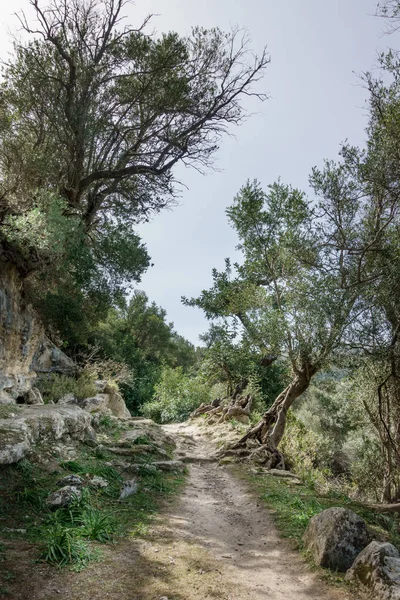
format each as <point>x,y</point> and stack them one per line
<point>268,432</point>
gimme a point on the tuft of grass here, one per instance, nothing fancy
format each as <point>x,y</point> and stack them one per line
<point>6,410</point>
<point>91,467</point>
<point>63,546</point>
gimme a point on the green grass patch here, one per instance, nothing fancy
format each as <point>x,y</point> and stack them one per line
<point>294,505</point>
<point>69,537</point>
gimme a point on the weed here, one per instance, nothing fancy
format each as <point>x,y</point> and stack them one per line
<point>98,525</point>
<point>64,546</point>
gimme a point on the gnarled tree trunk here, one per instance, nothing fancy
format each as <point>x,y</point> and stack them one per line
<point>263,439</point>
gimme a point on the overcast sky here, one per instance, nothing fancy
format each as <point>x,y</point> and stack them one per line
<point>316,102</point>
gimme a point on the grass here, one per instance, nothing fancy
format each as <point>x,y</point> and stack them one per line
<point>6,410</point>
<point>70,536</point>
<point>294,505</point>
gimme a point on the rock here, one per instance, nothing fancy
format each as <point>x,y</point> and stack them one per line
<point>117,405</point>
<point>169,465</point>
<point>130,487</point>
<point>96,404</point>
<point>21,332</point>
<point>34,397</point>
<point>227,460</point>
<point>108,404</point>
<point>25,350</point>
<point>145,428</point>
<point>281,473</point>
<point>100,385</point>
<point>245,419</point>
<point>44,425</point>
<point>73,480</point>
<point>335,537</point>
<point>98,482</point>
<point>377,568</point>
<point>50,359</point>
<point>68,400</point>
<point>63,496</point>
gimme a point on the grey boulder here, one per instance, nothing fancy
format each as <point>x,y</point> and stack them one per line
<point>63,496</point>
<point>335,537</point>
<point>377,568</point>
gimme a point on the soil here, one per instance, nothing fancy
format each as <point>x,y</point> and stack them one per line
<point>215,542</point>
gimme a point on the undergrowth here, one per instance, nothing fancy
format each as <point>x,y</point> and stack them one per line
<point>294,505</point>
<point>70,536</point>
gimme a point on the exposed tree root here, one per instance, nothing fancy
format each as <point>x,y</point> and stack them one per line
<point>238,407</point>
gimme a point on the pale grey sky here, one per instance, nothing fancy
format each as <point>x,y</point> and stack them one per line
<point>316,101</point>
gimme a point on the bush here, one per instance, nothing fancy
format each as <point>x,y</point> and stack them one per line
<point>305,451</point>
<point>56,386</point>
<point>176,396</point>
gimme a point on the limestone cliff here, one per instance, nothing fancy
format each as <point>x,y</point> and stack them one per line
<point>24,348</point>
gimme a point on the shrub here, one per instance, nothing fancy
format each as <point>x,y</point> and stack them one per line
<point>56,386</point>
<point>305,451</point>
<point>63,546</point>
<point>176,396</point>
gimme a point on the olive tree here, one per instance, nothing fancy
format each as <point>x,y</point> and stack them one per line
<point>297,290</point>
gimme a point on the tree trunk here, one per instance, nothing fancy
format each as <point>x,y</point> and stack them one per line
<point>268,432</point>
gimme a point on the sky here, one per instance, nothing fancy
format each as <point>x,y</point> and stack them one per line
<point>316,101</point>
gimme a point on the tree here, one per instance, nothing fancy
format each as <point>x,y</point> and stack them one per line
<point>297,291</point>
<point>93,118</point>
<point>138,336</point>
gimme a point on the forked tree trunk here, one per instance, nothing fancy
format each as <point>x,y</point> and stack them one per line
<point>268,432</point>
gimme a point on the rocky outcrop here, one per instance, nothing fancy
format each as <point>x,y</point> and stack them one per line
<point>50,359</point>
<point>22,428</point>
<point>20,335</point>
<point>111,404</point>
<point>335,537</point>
<point>25,350</point>
<point>377,568</point>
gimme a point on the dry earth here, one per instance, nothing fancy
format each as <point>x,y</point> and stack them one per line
<point>215,542</point>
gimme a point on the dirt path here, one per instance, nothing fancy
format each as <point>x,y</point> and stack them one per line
<point>215,542</point>
<point>217,513</point>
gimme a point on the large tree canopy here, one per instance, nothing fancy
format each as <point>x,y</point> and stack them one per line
<point>94,116</point>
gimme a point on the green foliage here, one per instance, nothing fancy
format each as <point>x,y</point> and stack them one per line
<point>307,453</point>
<point>56,386</point>
<point>63,547</point>
<point>139,336</point>
<point>176,396</point>
<point>85,154</point>
<point>293,506</point>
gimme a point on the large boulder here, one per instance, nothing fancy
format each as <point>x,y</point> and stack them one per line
<point>110,403</point>
<point>377,568</point>
<point>27,426</point>
<point>50,359</point>
<point>335,537</point>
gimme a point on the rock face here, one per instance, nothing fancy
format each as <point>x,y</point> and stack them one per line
<point>377,568</point>
<point>20,335</point>
<point>335,537</point>
<point>50,359</point>
<point>26,426</point>
<point>24,348</point>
